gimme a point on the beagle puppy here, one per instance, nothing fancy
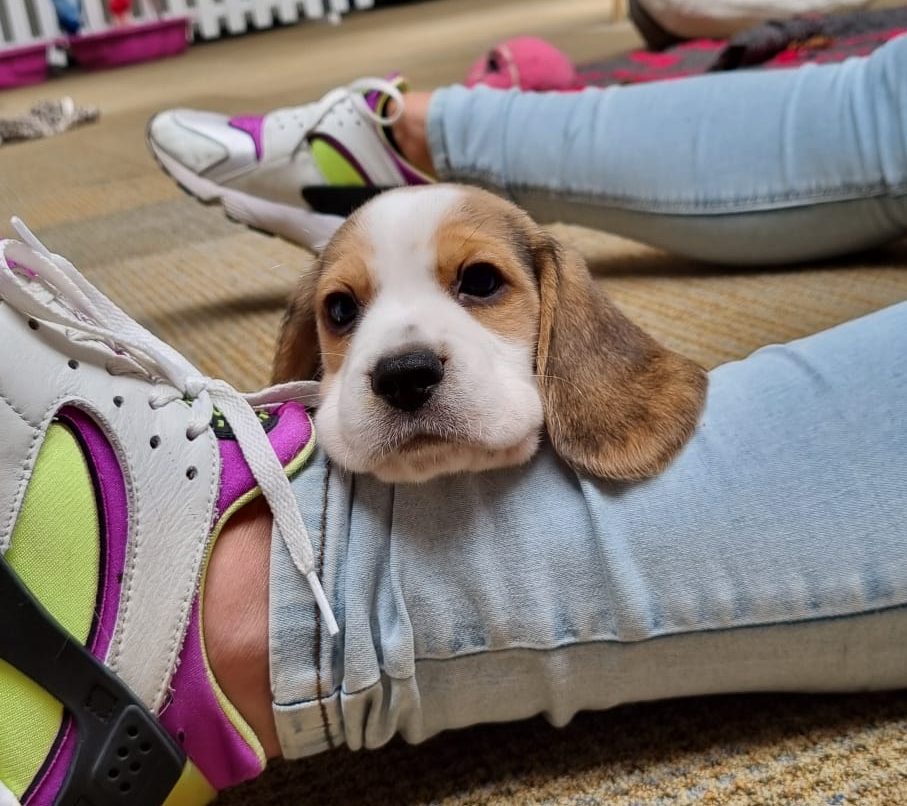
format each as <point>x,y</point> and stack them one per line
<point>447,328</point>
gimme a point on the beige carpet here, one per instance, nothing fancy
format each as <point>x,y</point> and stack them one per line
<point>215,291</point>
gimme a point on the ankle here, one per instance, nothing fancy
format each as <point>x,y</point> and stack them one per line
<point>410,131</point>
<point>235,620</point>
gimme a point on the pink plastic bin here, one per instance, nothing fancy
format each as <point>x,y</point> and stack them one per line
<point>129,44</point>
<point>23,65</point>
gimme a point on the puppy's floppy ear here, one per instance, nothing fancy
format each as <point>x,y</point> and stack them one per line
<point>298,357</point>
<point>617,404</point>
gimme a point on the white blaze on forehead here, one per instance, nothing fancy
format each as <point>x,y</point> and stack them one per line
<point>402,229</point>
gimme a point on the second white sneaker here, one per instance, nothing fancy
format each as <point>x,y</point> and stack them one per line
<point>296,172</point>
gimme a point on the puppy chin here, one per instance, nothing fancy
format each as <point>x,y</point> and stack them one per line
<point>444,459</point>
<point>426,461</point>
<point>472,429</point>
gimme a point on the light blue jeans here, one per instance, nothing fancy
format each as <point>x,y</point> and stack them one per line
<point>748,168</point>
<point>770,556</point>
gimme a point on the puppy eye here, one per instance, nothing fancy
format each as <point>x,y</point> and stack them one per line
<point>480,280</point>
<point>341,309</point>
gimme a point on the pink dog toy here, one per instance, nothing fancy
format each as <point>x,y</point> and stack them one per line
<point>526,62</point>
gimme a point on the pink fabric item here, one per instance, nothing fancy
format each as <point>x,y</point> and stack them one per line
<point>193,715</point>
<point>527,63</point>
<point>291,434</point>
<point>45,793</point>
<point>114,520</point>
<point>128,44</point>
<point>411,177</point>
<point>195,719</point>
<point>253,125</point>
<point>23,65</point>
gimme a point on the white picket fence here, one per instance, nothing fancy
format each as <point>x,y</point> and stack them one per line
<point>25,22</point>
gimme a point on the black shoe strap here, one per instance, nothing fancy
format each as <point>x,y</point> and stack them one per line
<point>123,757</point>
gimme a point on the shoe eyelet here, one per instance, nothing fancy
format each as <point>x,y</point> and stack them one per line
<point>154,441</point>
<point>33,324</point>
<point>72,363</point>
<point>191,473</point>
<point>191,437</point>
<point>118,401</point>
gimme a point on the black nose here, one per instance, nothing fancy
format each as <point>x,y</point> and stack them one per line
<point>407,381</point>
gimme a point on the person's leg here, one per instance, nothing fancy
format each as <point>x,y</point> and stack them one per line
<point>236,622</point>
<point>769,556</point>
<point>739,168</point>
<point>747,168</point>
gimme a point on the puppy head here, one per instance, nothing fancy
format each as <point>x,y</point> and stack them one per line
<point>447,327</point>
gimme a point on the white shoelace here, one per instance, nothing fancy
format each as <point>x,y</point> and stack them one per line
<point>362,86</point>
<point>356,93</point>
<point>52,290</point>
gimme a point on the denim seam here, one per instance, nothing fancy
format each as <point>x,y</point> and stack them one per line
<point>819,619</point>
<point>678,634</point>
<point>316,643</point>
<point>743,204</point>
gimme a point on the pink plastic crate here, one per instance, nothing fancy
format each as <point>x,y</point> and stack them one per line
<point>129,44</point>
<point>23,65</point>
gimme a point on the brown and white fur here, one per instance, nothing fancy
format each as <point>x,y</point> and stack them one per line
<point>430,378</point>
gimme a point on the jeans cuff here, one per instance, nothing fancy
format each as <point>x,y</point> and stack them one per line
<point>303,685</point>
<point>437,146</point>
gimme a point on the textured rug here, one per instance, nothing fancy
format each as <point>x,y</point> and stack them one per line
<point>733,751</point>
<point>215,291</point>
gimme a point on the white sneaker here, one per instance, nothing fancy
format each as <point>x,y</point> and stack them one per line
<point>297,172</point>
<point>119,465</point>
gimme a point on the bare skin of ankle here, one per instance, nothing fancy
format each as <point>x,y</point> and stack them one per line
<point>411,130</point>
<point>235,620</point>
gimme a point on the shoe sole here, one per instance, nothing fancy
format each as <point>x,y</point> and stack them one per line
<point>297,224</point>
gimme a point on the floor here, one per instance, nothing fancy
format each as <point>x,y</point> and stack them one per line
<point>215,290</point>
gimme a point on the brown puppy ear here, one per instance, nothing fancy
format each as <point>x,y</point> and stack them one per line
<point>617,404</point>
<point>298,357</point>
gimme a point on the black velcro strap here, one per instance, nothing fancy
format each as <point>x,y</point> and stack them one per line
<point>123,757</point>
